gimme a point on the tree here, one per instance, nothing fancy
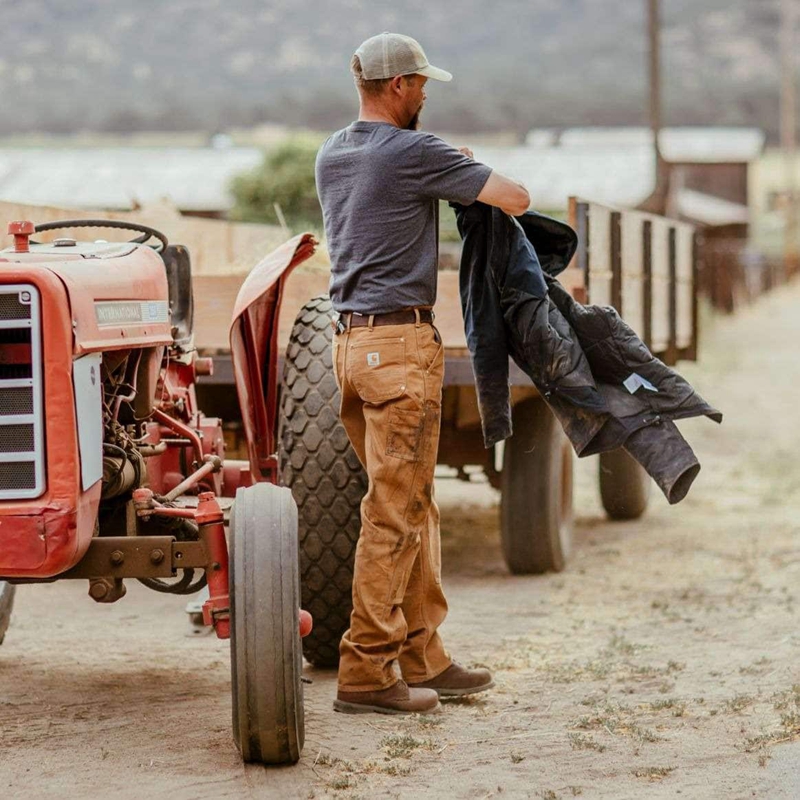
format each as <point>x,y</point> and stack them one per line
<point>285,179</point>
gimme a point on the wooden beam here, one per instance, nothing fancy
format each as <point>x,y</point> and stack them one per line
<point>582,255</point>
<point>616,260</point>
<point>647,281</point>
<point>693,348</point>
<point>672,342</point>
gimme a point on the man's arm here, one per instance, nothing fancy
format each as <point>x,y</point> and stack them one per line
<point>508,195</point>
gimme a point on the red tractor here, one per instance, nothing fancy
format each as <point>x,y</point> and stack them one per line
<point>109,470</point>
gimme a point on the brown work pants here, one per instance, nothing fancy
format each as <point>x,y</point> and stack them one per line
<point>390,378</point>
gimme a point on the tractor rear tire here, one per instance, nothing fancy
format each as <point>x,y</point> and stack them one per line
<point>536,492</point>
<point>624,485</point>
<point>7,591</point>
<point>327,480</point>
<point>266,655</point>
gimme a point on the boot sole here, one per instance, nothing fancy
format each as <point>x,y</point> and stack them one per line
<point>462,692</point>
<point>363,708</point>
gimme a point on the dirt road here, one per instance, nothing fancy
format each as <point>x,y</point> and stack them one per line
<point>665,661</point>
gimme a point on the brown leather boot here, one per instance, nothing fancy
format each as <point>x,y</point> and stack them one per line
<point>397,699</point>
<point>457,681</point>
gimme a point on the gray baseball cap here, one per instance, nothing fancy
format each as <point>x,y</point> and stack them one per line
<point>389,54</point>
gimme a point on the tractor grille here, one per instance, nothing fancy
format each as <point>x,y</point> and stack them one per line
<point>12,307</point>
<point>16,400</point>
<point>17,477</point>
<point>17,438</point>
<point>21,418</point>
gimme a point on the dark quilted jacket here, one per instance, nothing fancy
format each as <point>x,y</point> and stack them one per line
<point>577,356</point>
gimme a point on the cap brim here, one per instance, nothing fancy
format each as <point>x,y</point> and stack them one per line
<point>434,73</point>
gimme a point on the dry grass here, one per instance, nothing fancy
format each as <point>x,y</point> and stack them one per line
<point>403,745</point>
<point>614,662</point>
<point>738,703</point>
<point>616,719</point>
<point>580,741</point>
<point>786,730</point>
<point>677,707</point>
<point>653,773</point>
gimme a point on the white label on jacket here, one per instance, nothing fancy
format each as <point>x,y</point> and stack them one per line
<point>373,359</point>
<point>635,381</point>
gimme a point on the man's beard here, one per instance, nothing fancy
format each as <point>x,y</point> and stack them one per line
<point>414,122</point>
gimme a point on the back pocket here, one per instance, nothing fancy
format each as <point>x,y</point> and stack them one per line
<point>378,369</point>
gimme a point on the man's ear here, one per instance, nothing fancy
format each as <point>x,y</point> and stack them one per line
<point>396,84</point>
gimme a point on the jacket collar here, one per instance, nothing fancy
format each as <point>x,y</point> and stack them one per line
<point>554,241</point>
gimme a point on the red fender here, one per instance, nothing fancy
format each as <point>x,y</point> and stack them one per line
<point>254,349</point>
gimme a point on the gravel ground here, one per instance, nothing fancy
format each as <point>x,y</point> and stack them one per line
<point>662,662</point>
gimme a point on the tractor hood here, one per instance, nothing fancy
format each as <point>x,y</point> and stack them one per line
<point>254,349</point>
<point>117,293</point>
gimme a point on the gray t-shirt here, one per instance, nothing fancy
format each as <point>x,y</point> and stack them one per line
<point>380,187</point>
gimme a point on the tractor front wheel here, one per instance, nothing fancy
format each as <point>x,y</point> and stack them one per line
<point>266,654</point>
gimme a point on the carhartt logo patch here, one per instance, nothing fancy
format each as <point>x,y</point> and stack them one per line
<point>373,359</point>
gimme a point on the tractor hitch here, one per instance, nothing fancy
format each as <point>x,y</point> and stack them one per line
<point>217,609</point>
<point>210,523</point>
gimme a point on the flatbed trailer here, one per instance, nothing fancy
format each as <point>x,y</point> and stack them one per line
<point>643,265</point>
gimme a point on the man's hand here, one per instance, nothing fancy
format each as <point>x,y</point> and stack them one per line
<point>466,151</point>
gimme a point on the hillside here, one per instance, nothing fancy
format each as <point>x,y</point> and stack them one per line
<point>209,64</point>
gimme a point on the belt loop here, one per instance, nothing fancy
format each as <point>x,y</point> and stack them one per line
<point>349,316</point>
<point>416,317</point>
<point>370,321</point>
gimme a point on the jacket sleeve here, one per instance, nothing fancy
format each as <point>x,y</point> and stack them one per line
<point>483,325</point>
<point>615,353</point>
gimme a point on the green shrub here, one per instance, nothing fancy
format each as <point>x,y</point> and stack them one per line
<point>286,179</point>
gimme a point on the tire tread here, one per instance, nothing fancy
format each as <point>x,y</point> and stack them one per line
<point>266,662</point>
<point>319,465</point>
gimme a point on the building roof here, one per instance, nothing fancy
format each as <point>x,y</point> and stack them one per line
<point>678,145</point>
<point>120,178</point>
<point>709,210</point>
<point>613,175</point>
<point>614,166</point>
<point>712,145</point>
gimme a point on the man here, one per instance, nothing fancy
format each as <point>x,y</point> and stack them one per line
<point>379,182</point>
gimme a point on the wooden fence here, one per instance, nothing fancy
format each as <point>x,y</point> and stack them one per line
<point>646,267</point>
<point>731,275</point>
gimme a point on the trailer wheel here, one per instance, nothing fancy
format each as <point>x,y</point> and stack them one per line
<point>6,604</point>
<point>624,485</point>
<point>266,655</point>
<point>327,480</point>
<point>536,492</point>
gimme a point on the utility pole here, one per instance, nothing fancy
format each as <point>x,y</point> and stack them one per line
<point>653,31</point>
<point>789,128</point>
<point>657,202</point>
